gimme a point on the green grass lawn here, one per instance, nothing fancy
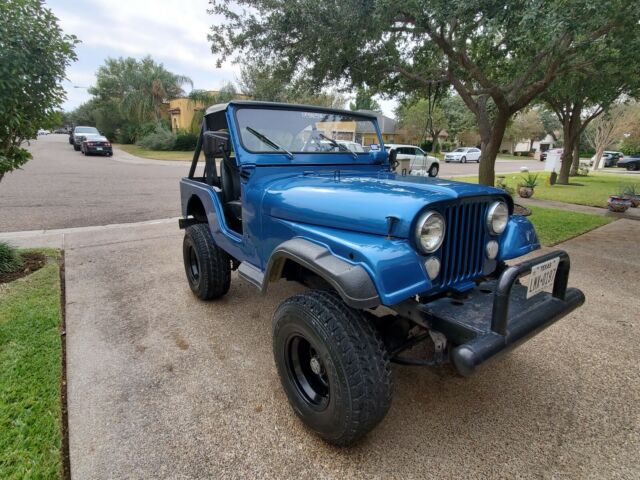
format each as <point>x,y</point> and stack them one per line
<point>30,371</point>
<point>155,154</point>
<point>554,225</point>
<point>593,190</point>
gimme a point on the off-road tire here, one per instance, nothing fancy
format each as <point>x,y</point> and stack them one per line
<point>353,358</point>
<point>433,170</point>
<point>207,266</point>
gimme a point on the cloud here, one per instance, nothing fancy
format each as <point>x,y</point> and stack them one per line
<point>173,32</point>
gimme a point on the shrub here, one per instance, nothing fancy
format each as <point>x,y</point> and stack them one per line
<point>159,139</point>
<point>530,180</point>
<point>631,147</point>
<point>185,141</point>
<point>10,259</point>
<point>426,145</point>
<point>127,133</point>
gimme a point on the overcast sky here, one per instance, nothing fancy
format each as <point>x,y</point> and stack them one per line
<point>173,32</point>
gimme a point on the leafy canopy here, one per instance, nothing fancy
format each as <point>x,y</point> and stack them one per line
<point>34,54</point>
<point>139,87</point>
<point>497,55</point>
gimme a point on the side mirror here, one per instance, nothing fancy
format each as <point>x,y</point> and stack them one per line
<point>215,142</point>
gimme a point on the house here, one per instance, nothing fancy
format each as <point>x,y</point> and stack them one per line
<point>182,111</point>
<point>365,135</point>
<point>523,145</point>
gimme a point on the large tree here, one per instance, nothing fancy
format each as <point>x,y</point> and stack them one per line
<point>364,101</point>
<point>608,71</point>
<point>420,119</point>
<point>139,87</point>
<point>611,127</point>
<point>526,125</point>
<point>497,55</point>
<point>34,54</point>
<point>262,81</point>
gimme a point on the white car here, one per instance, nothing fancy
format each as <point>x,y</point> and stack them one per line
<point>413,160</point>
<point>42,131</point>
<point>463,155</point>
<point>353,146</point>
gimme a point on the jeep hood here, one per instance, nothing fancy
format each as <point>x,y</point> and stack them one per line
<point>362,203</point>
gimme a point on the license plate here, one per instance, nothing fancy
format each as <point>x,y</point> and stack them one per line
<point>542,277</point>
<point>98,148</point>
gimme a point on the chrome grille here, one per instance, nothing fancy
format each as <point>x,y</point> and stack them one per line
<point>463,249</point>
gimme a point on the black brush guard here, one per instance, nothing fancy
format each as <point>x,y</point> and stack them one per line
<point>496,315</point>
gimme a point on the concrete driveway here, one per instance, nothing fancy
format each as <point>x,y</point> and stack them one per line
<point>164,386</point>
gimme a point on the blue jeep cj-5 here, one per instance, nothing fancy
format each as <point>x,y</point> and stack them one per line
<point>391,260</point>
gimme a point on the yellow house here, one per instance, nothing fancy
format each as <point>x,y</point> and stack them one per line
<point>181,112</point>
<point>183,109</point>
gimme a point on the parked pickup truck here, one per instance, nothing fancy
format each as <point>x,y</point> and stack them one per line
<point>390,260</point>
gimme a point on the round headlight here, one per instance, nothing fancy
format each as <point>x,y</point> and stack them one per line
<point>430,231</point>
<point>497,217</point>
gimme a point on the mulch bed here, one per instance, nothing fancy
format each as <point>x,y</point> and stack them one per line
<point>32,261</point>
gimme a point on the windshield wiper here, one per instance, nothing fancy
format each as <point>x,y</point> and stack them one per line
<point>269,142</point>
<point>339,145</point>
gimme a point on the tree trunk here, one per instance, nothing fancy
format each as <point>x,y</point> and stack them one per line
<point>571,130</point>
<point>575,164</point>
<point>598,159</point>
<point>491,138</point>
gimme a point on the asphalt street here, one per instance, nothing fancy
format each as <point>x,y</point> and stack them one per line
<point>61,188</point>
<point>162,385</point>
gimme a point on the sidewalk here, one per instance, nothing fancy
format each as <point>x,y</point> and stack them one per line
<point>161,385</point>
<point>631,214</point>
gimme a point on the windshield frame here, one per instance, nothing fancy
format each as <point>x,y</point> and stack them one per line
<point>304,108</point>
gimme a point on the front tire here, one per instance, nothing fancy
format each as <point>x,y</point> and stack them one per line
<point>463,160</point>
<point>76,147</point>
<point>631,167</point>
<point>207,266</point>
<point>333,366</point>
<point>433,171</point>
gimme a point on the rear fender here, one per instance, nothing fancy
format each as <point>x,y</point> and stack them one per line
<point>225,238</point>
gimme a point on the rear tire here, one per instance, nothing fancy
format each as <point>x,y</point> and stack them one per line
<point>433,170</point>
<point>333,366</point>
<point>631,167</point>
<point>207,266</point>
<point>76,147</point>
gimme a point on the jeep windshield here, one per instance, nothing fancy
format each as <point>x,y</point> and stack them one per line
<point>296,131</point>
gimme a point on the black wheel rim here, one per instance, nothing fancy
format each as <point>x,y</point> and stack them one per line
<point>307,372</point>
<point>194,266</point>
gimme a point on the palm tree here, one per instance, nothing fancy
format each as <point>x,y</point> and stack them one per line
<point>141,86</point>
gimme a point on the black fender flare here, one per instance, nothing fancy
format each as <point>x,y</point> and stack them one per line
<point>352,282</point>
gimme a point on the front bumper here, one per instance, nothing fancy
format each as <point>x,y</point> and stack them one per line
<point>496,315</point>
<point>101,150</point>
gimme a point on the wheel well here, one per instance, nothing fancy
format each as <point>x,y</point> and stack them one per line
<point>291,270</point>
<point>195,209</point>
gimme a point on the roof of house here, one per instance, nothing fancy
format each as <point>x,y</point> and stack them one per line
<point>386,124</point>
